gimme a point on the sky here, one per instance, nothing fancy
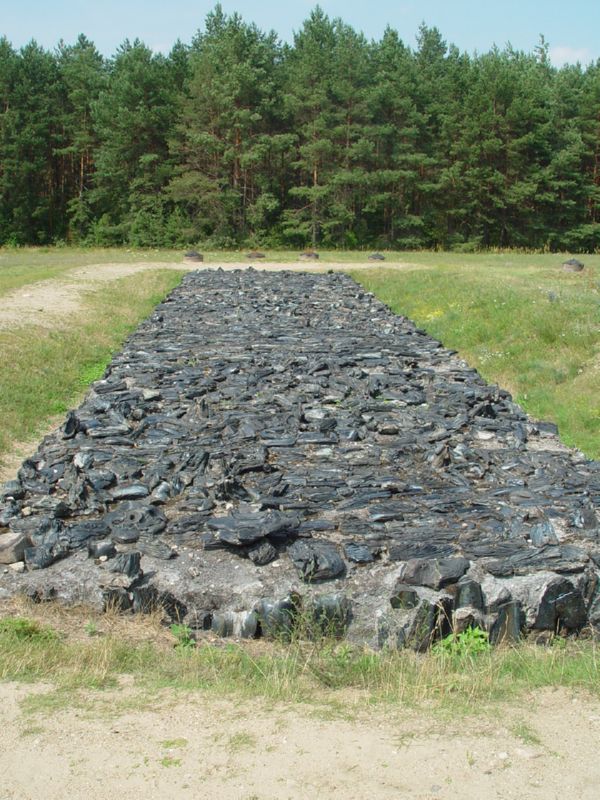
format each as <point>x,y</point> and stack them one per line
<point>569,26</point>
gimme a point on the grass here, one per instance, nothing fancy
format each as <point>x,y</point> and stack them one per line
<point>46,373</point>
<point>521,321</point>
<point>48,645</point>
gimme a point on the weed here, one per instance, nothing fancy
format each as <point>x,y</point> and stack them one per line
<point>241,741</point>
<point>32,730</point>
<point>183,635</point>
<point>91,628</point>
<point>169,761</point>
<point>25,629</point>
<point>170,744</point>
<point>304,672</point>
<point>526,734</point>
<point>471,642</point>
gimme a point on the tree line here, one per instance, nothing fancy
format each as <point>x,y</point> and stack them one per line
<point>332,140</point>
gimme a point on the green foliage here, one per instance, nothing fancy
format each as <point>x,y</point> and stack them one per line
<point>332,141</point>
<point>301,672</point>
<point>93,372</point>
<point>25,630</point>
<point>183,635</point>
<point>91,628</point>
<point>467,644</point>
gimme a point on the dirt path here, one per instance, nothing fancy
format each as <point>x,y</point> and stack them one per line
<point>174,746</point>
<point>49,302</point>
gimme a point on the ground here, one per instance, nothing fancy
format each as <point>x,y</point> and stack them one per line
<point>173,744</point>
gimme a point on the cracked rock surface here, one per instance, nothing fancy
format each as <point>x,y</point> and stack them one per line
<point>277,448</point>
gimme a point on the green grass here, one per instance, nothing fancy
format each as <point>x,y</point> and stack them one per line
<point>45,371</point>
<point>522,322</point>
<point>319,673</point>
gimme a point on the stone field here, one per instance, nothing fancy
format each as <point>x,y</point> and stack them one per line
<point>272,450</point>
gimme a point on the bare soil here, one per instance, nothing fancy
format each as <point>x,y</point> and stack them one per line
<point>175,746</point>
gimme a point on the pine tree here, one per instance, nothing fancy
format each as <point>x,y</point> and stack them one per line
<point>226,139</point>
<point>30,131</point>
<point>133,117</point>
<point>83,77</point>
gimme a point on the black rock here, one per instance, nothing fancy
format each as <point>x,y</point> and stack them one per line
<point>8,512</point>
<point>262,553</point>
<point>156,549</point>
<point>148,599</point>
<point>43,556</point>
<point>416,626</point>
<point>359,553</point>
<point>244,528</point>
<point>404,597</point>
<point>132,492</point>
<point>116,599</point>
<point>277,618</point>
<point>99,549</point>
<point>469,594</point>
<point>80,533</point>
<point>125,535</point>
<point>435,573</point>
<point>543,533</point>
<point>316,561</point>
<point>507,624</point>
<point>241,624</point>
<point>126,563</point>
<point>376,257</point>
<point>561,606</point>
<point>130,519</point>
<point>13,489</point>
<point>329,614</point>
<point>573,265</point>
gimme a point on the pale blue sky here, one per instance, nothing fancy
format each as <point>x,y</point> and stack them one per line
<point>571,27</point>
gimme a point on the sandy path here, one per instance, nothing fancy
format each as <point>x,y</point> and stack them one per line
<point>48,302</point>
<point>201,747</point>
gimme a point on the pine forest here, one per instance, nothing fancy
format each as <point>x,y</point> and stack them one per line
<point>331,140</point>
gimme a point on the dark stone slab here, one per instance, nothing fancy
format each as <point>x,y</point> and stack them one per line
<point>316,561</point>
